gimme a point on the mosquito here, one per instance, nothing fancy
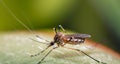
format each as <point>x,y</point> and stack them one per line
<point>60,39</point>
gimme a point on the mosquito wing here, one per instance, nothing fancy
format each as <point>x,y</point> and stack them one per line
<point>79,35</point>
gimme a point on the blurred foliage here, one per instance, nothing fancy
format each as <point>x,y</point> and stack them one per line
<point>100,18</point>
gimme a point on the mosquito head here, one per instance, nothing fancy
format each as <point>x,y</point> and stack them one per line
<point>58,33</point>
<point>51,43</point>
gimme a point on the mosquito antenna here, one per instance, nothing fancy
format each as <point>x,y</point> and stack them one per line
<point>86,55</point>
<point>46,55</point>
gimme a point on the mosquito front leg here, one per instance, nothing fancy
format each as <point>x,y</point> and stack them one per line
<point>39,52</point>
<point>41,38</point>
<point>51,44</point>
<point>86,55</point>
<point>38,41</point>
<point>46,55</point>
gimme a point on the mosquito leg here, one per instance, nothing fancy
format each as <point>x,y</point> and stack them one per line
<point>55,30</point>
<point>86,55</point>
<point>46,55</point>
<point>38,41</point>
<point>35,54</point>
<point>51,44</point>
<point>41,38</point>
<point>60,27</point>
<point>39,52</point>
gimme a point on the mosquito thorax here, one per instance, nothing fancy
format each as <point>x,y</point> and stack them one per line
<point>58,36</point>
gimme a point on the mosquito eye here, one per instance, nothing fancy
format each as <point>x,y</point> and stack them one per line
<point>51,43</point>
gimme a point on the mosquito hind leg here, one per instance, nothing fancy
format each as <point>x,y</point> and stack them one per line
<point>86,55</point>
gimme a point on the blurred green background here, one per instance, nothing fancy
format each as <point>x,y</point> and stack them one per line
<point>100,18</point>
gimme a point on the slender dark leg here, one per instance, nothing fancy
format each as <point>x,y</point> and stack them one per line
<point>49,45</point>
<point>86,55</point>
<point>46,55</point>
<point>40,52</point>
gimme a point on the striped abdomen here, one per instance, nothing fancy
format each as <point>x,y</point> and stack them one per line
<point>75,38</point>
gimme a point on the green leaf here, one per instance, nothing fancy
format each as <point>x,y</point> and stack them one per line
<point>16,48</point>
